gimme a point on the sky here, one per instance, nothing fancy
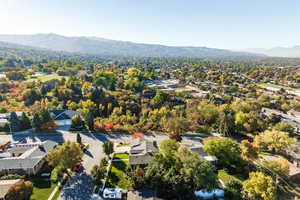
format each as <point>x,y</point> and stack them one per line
<point>227,24</point>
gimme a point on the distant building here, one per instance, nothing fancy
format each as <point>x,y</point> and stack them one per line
<point>141,151</point>
<point>25,158</point>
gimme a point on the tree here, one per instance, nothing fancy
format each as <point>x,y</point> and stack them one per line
<point>272,140</point>
<point>233,190</point>
<point>45,115</point>
<point>98,172</point>
<point>226,124</point>
<point>15,123</point>
<point>25,122</point>
<point>175,172</point>
<point>175,126</point>
<point>36,122</point>
<point>248,151</point>
<point>78,138</point>
<point>259,186</point>
<point>108,148</point>
<point>280,166</point>
<point>284,127</point>
<point>77,122</point>
<point>89,120</point>
<point>226,150</point>
<point>20,190</point>
<point>65,156</point>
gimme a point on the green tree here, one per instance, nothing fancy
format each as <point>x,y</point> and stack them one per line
<point>233,190</point>
<point>98,172</point>
<point>108,148</point>
<point>36,122</point>
<point>226,150</point>
<point>77,122</point>
<point>259,186</point>
<point>25,122</point>
<point>65,156</point>
<point>174,172</point>
<point>284,127</point>
<point>15,123</point>
<point>272,140</point>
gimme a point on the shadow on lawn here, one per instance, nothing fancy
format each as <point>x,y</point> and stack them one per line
<point>41,183</point>
<point>120,165</point>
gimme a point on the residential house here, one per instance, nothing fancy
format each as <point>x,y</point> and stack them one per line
<point>25,158</point>
<point>141,151</point>
<point>5,185</point>
<point>198,148</point>
<point>63,117</point>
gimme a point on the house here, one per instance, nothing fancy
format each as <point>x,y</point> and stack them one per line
<point>63,117</point>
<point>141,151</point>
<point>25,158</point>
<point>198,148</point>
<point>5,185</point>
<point>112,193</point>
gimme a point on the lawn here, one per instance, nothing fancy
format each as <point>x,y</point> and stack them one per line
<point>117,176</point>
<point>121,156</point>
<point>42,188</point>
<point>3,133</point>
<point>225,177</point>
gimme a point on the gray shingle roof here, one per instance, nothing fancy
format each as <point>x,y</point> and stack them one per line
<point>29,158</point>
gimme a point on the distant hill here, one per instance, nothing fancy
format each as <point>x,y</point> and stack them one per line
<point>106,47</point>
<point>278,51</point>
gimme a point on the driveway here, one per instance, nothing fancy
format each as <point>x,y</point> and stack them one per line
<point>78,187</point>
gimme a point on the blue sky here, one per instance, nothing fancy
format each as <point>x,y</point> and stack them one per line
<point>229,24</point>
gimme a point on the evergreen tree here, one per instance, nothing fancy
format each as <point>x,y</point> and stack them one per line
<point>89,120</point>
<point>36,122</point>
<point>25,122</point>
<point>78,138</point>
<point>45,116</point>
<point>15,123</point>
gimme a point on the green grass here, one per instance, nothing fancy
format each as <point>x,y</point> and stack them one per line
<point>265,154</point>
<point>121,156</point>
<point>42,188</point>
<point>117,176</point>
<point>3,133</point>
<point>225,177</point>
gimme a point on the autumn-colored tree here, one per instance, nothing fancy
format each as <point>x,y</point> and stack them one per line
<point>248,150</point>
<point>20,190</point>
<point>260,186</point>
<point>65,156</point>
<point>273,140</point>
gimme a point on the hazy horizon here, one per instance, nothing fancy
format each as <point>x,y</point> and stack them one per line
<point>231,25</point>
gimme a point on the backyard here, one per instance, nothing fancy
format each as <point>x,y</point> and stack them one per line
<point>117,176</point>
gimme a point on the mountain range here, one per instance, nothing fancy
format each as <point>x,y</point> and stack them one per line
<point>107,47</point>
<point>293,51</point>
